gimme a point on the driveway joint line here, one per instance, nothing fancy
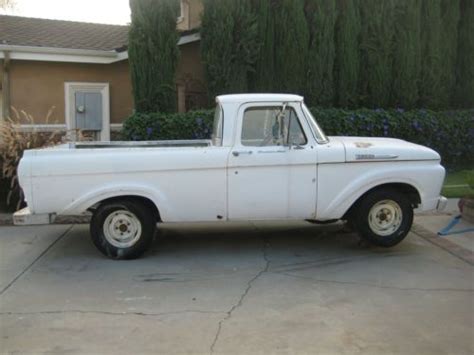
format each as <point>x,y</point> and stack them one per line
<point>43,253</point>
<point>243,295</point>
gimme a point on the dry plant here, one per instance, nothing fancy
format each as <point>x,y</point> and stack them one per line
<point>14,140</point>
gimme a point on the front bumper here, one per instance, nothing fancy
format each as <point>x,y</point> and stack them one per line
<point>24,217</point>
<point>442,203</point>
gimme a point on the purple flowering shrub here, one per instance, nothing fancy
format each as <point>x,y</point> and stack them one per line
<point>450,133</point>
<point>166,126</point>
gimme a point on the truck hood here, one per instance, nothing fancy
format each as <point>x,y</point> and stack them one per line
<point>384,149</point>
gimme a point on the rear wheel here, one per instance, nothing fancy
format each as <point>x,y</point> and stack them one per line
<point>123,229</point>
<point>383,217</point>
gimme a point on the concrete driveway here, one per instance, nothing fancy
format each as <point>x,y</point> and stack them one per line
<point>243,289</point>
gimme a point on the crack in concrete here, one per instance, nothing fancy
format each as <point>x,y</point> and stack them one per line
<point>242,296</point>
<point>142,314</point>
<point>364,284</point>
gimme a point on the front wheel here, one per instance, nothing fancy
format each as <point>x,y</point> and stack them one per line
<point>383,217</point>
<point>122,229</point>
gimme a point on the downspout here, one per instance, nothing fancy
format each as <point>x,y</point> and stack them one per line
<point>5,86</point>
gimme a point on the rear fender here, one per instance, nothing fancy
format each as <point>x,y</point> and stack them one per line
<point>95,196</point>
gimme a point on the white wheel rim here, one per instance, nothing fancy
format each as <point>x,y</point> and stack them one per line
<point>122,229</point>
<point>385,217</point>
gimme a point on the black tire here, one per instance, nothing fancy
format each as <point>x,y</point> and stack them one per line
<point>370,227</point>
<point>142,220</point>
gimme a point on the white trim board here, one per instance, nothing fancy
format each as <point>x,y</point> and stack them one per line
<point>51,127</point>
<point>116,126</point>
<point>49,54</point>
<point>41,127</point>
<point>70,89</point>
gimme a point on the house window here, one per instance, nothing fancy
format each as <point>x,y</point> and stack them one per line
<point>88,109</point>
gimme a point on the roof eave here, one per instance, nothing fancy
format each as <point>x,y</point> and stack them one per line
<point>53,54</point>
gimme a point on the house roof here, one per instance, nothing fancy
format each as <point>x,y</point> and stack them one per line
<point>27,31</point>
<point>26,38</point>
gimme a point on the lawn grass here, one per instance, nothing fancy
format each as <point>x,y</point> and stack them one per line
<point>456,184</point>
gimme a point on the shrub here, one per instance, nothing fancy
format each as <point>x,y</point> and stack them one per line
<point>162,126</point>
<point>12,144</point>
<point>153,54</point>
<point>470,179</point>
<point>450,133</point>
<point>229,45</point>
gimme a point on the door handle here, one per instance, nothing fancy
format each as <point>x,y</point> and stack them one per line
<point>236,153</point>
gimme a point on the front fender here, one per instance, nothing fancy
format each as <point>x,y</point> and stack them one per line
<point>341,185</point>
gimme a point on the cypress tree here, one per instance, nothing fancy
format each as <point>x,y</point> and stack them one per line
<point>347,53</point>
<point>406,55</point>
<point>262,79</point>
<point>449,49</point>
<point>321,18</point>
<point>153,54</point>
<point>377,38</point>
<point>291,46</point>
<point>430,85</point>
<point>464,93</point>
<point>229,45</point>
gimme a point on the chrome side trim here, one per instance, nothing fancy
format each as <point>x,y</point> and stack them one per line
<point>373,161</point>
<point>375,156</point>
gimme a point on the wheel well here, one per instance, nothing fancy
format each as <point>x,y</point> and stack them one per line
<point>140,199</point>
<point>407,189</point>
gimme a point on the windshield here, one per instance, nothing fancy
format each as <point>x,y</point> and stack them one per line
<point>218,126</point>
<point>317,131</point>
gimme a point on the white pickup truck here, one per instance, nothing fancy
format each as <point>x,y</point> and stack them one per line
<point>267,160</point>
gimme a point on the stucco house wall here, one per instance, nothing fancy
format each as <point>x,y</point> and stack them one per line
<point>37,86</point>
<point>49,64</point>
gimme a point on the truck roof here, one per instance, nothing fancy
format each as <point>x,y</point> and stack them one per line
<point>258,98</point>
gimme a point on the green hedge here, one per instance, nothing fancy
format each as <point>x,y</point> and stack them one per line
<point>163,126</point>
<point>451,133</point>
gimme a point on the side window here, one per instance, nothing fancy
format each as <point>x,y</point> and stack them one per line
<point>295,132</point>
<point>269,126</point>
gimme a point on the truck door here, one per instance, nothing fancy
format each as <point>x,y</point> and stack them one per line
<point>268,178</point>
